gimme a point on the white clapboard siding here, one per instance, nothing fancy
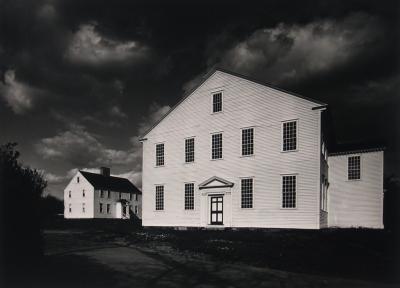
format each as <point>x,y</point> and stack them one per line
<point>77,198</point>
<point>245,104</point>
<point>356,203</point>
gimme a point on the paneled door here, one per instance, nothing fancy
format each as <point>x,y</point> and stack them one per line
<point>217,207</point>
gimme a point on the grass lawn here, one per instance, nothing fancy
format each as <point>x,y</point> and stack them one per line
<point>349,253</point>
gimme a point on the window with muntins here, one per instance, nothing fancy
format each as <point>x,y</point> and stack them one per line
<point>160,154</point>
<point>216,148</point>
<point>354,168</point>
<point>289,136</point>
<point>247,192</point>
<point>189,196</point>
<point>160,197</point>
<point>247,141</point>
<point>289,191</point>
<point>189,150</point>
<point>217,102</point>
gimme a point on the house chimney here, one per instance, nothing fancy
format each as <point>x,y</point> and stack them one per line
<point>105,171</point>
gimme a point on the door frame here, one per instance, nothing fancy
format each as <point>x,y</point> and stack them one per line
<point>217,196</point>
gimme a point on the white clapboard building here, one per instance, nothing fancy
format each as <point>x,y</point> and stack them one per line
<point>92,195</point>
<point>235,152</point>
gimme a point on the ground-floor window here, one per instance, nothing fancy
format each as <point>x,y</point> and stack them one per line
<point>189,196</point>
<point>70,208</point>
<point>108,209</point>
<point>136,209</point>
<point>247,192</point>
<point>159,197</point>
<point>83,207</point>
<point>289,191</point>
<point>101,208</point>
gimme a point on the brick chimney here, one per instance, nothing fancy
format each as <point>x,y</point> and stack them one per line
<point>105,171</point>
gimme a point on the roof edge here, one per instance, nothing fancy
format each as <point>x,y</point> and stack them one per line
<point>355,151</point>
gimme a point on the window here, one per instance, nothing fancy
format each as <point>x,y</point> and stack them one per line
<point>70,208</point>
<point>77,179</point>
<point>130,196</point>
<point>160,154</point>
<point>101,208</point>
<point>354,171</point>
<point>83,193</point>
<point>189,150</point>
<point>83,207</point>
<point>324,194</point>
<point>216,149</point>
<point>289,136</point>
<point>247,141</point>
<point>108,209</point>
<point>159,197</point>
<point>108,194</point>
<point>136,209</point>
<point>217,102</point>
<point>120,195</point>
<point>69,194</point>
<point>136,197</point>
<point>189,196</point>
<point>289,191</point>
<point>247,192</point>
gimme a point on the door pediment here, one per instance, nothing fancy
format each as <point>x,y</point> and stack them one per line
<point>215,182</point>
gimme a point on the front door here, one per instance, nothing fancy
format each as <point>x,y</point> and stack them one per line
<point>217,205</point>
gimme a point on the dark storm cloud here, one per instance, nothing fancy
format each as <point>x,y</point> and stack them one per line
<point>90,76</point>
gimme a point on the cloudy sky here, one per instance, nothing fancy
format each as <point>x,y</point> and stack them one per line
<point>81,80</point>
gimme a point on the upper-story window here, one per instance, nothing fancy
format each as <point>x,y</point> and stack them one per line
<point>159,197</point>
<point>120,195</point>
<point>289,133</point>
<point>217,102</point>
<point>216,146</point>
<point>189,196</point>
<point>108,207</point>
<point>160,154</point>
<point>83,208</point>
<point>247,141</point>
<point>130,196</point>
<point>108,194</point>
<point>354,168</point>
<point>101,193</point>
<point>70,208</point>
<point>83,193</point>
<point>69,194</point>
<point>101,207</point>
<point>77,179</point>
<point>136,209</point>
<point>136,197</point>
<point>289,191</point>
<point>189,150</point>
<point>247,192</point>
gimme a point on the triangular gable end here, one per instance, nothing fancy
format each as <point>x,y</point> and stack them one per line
<point>211,73</point>
<point>215,182</point>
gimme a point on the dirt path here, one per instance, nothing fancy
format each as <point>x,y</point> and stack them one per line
<point>147,267</point>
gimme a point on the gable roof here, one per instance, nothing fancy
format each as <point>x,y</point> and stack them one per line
<point>210,73</point>
<point>111,183</point>
<point>224,183</point>
<point>354,148</point>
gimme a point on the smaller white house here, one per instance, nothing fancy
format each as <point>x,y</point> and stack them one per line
<point>91,195</point>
